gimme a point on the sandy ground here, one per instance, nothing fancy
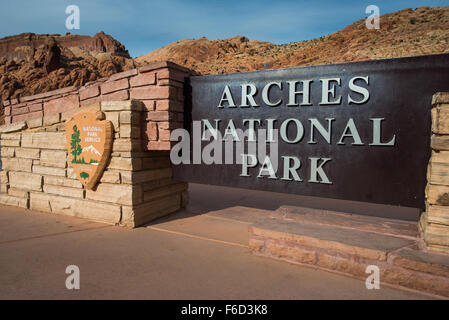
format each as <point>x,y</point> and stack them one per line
<point>194,254</point>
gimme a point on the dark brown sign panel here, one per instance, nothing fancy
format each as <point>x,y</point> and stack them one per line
<point>353,131</point>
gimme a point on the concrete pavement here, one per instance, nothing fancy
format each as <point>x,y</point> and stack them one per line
<point>184,256</point>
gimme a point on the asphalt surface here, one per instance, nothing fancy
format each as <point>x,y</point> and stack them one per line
<point>197,253</point>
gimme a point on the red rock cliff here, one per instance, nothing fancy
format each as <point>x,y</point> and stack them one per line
<point>22,46</point>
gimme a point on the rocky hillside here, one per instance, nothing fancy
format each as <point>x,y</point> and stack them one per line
<point>404,33</point>
<point>31,63</point>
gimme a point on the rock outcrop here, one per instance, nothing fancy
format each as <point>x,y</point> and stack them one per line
<point>31,63</point>
<point>22,46</point>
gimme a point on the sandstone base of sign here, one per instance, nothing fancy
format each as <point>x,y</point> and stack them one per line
<point>434,224</point>
<point>136,186</point>
<point>348,244</point>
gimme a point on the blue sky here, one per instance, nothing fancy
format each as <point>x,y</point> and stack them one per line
<point>143,26</point>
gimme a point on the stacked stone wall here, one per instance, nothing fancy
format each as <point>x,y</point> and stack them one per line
<point>136,186</point>
<point>434,223</point>
<point>160,86</point>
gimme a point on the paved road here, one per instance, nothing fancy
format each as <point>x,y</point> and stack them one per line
<point>185,256</point>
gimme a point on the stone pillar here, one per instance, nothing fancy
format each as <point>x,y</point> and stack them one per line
<point>136,186</point>
<point>434,223</point>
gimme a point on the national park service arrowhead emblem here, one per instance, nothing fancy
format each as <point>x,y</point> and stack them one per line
<point>89,144</point>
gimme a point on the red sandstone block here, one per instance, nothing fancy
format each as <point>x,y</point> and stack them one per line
<point>6,103</point>
<point>96,82</point>
<point>52,94</point>
<point>124,74</point>
<point>152,92</point>
<point>352,242</point>
<point>164,125</point>
<point>14,101</point>
<point>7,111</point>
<point>116,96</point>
<point>149,104</point>
<point>170,125</point>
<point>154,66</point>
<point>256,246</point>
<point>53,98</point>
<point>8,120</point>
<point>163,105</point>
<point>413,258</point>
<point>158,116</point>
<point>17,111</point>
<point>89,92</point>
<point>159,145</point>
<point>163,74</point>
<point>35,107</point>
<point>341,264</point>
<point>415,280</point>
<point>61,104</point>
<point>27,116</point>
<point>294,254</point>
<point>169,105</point>
<point>143,79</point>
<point>90,101</point>
<point>172,74</point>
<point>111,86</point>
<point>151,131</point>
<point>164,134</point>
<point>170,82</point>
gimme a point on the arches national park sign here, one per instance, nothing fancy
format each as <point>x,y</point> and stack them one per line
<point>353,131</point>
<point>89,142</point>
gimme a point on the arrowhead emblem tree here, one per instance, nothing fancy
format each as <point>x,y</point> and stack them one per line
<point>75,144</point>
